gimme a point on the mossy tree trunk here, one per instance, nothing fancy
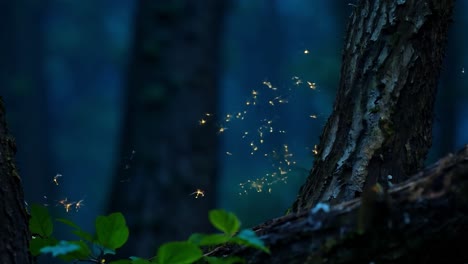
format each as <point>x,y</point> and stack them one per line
<point>381,126</point>
<point>14,231</point>
<point>166,154</point>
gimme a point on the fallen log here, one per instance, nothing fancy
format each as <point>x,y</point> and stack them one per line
<point>421,220</point>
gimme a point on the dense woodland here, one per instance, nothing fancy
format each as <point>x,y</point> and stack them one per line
<point>313,122</point>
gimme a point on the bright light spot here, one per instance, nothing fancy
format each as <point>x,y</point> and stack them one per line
<point>222,129</point>
<point>297,80</point>
<point>202,122</point>
<point>312,85</point>
<point>198,193</point>
<point>56,177</point>
<point>67,205</point>
<point>313,116</point>
<point>306,51</point>
<point>315,150</point>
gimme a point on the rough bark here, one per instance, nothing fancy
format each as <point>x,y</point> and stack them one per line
<point>14,231</point>
<point>382,118</point>
<point>167,155</point>
<point>421,220</point>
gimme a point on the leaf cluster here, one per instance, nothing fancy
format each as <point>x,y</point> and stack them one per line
<point>112,233</point>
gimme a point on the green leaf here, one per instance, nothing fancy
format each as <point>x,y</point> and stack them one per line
<point>248,238</point>
<point>83,234</point>
<point>209,239</point>
<point>84,252</point>
<point>132,260</point>
<point>136,260</point>
<point>37,243</point>
<point>227,260</point>
<point>178,253</point>
<point>78,231</point>
<point>62,248</point>
<point>67,222</point>
<point>40,222</point>
<point>121,261</point>
<point>224,221</point>
<point>112,231</point>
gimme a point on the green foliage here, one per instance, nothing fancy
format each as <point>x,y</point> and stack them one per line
<point>248,238</point>
<point>228,260</point>
<point>179,253</point>
<point>61,248</point>
<point>224,221</point>
<point>209,239</point>
<point>77,230</point>
<point>40,223</point>
<point>37,243</point>
<point>112,233</point>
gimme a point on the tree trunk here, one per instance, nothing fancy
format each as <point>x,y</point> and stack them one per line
<point>167,154</point>
<point>421,220</point>
<point>14,231</point>
<point>381,125</point>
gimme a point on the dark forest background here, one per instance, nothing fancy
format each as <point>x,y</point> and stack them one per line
<point>68,70</point>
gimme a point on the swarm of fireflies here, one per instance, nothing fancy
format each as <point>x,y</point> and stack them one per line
<point>282,159</point>
<point>68,205</point>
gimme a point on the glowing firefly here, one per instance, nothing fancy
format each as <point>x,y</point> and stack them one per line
<point>56,177</point>
<point>198,193</point>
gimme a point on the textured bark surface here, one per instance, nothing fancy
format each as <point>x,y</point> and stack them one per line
<point>166,154</point>
<point>421,220</point>
<point>14,231</point>
<point>382,118</point>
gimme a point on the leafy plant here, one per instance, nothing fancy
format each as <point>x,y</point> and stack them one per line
<point>112,233</point>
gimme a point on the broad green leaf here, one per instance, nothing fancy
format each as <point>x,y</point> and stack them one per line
<point>178,253</point>
<point>132,260</point>
<point>78,231</point>
<point>227,260</point>
<point>224,221</point>
<point>83,234</point>
<point>84,252</point>
<point>40,222</point>
<point>121,261</point>
<point>37,243</point>
<point>136,260</point>
<point>112,231</point>
<point>248,238</point>
<point>209,239</point>
<point>62,248</point>
<point>67,222</point>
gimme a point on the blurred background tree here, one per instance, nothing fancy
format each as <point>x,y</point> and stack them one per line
<point>70,68</point>
<point>173,82</point>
